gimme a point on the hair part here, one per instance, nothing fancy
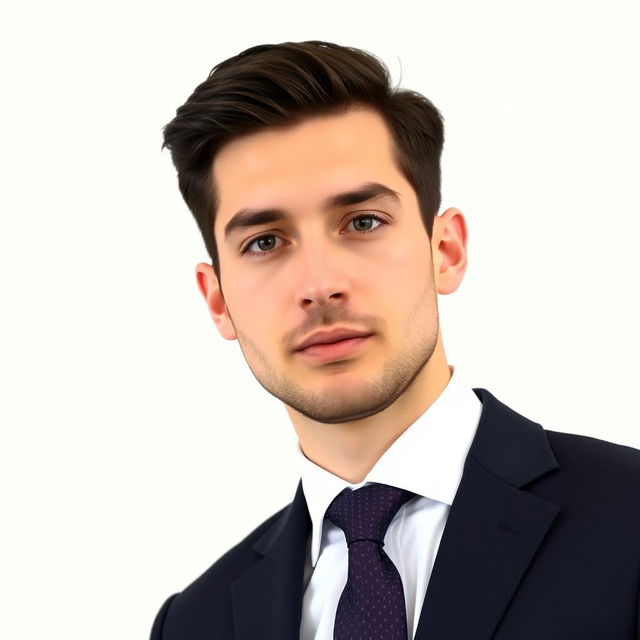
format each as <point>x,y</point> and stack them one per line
<point>280,85</point>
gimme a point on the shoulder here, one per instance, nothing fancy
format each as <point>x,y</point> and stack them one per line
<point>206,602</point>
<point>232,564</point>
<point>616,461</point>
<point>596,472</point>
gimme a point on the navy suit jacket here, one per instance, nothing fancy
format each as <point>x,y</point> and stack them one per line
<point>542,542</point>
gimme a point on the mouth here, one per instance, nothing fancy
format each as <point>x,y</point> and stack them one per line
<point>334,350</point>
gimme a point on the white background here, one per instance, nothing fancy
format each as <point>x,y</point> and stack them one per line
<point>130,429</point>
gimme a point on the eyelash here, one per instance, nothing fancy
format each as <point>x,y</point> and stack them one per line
<point>246,251</point>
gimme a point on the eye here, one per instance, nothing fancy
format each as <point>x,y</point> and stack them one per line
<point>260,239</point>
<point>270,245</point>
<point>367,216</point>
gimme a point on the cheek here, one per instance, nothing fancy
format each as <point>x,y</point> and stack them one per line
<point>404,266</point>
<point>256,301</point>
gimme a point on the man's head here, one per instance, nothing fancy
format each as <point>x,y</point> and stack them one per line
<point>276,86</point>
<point>336,178</point>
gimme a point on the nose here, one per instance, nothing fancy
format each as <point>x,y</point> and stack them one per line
<point>321,276</point>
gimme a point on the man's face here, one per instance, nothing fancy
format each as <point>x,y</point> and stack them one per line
<point>321,268</point>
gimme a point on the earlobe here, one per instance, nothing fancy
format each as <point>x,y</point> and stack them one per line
<point>210,289</point>
<point>449,249</point>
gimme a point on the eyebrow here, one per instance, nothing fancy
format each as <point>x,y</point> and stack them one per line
<point>246,218</point>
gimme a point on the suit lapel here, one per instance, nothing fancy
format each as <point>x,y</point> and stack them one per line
<point>267,600</point>
<point>494,528</point>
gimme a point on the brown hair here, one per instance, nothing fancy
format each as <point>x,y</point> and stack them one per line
<point>279,85</point>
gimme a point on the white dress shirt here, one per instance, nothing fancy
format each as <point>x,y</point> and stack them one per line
<point>427,459</point>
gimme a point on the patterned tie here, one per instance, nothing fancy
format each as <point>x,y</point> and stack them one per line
<point>372,605</point>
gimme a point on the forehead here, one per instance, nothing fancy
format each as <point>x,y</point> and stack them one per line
<point>297,167</point>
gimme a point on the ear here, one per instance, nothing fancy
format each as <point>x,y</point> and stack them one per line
<point>449,250</point>
<point>210,289</point>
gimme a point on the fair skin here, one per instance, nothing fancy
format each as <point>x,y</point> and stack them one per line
<point>320,269</point>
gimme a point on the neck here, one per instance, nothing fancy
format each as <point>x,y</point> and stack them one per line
<point>350,450</point>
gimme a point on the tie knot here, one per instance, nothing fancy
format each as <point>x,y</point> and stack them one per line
<point>366,513</point>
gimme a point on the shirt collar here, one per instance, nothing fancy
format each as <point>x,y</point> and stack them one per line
<point>427,459</point>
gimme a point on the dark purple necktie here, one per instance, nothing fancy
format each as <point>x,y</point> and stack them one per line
<point>372,605</point>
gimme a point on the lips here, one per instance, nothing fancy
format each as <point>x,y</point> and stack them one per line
<point>327,337</point>
<point>331,351</point>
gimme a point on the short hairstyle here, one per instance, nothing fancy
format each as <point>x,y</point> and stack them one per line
<point>279,85</point>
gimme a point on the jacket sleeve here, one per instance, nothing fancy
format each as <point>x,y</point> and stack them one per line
<point>158,623</point>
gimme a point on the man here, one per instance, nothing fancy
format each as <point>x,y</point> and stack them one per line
<point>426,509</point>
